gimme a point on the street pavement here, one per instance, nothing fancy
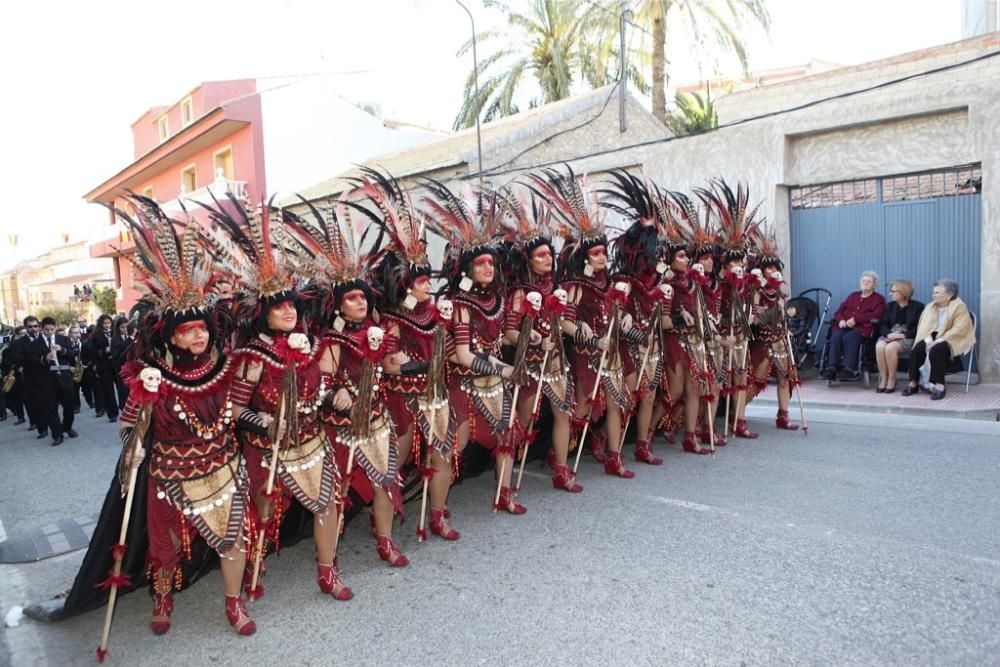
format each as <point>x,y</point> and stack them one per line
<point>873,540</point>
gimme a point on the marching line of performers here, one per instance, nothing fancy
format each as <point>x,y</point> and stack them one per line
<point>286,358</point>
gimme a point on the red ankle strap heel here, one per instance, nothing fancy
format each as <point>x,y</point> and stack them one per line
<point>442,529</point>
<point>644,453</point>
<point>562,478</point>
<point>239,618</point>
<point>615,465</point>
<point>507,502</point>
<point>743,431</point>
<point>388,551</point>
<point>782,421</point>
<point>691,445</point>
<point>163,608</point>
<point>329,582</point>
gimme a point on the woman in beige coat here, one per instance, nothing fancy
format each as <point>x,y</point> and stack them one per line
<point>944,333</point>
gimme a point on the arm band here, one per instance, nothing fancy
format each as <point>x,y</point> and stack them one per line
<point>634,335</point>
<point>125,433</point>
<point>481,365</point>
<point>414,367</point>
<point>251,422</point>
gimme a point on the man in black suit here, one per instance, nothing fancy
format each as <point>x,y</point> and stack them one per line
<point>76,344</point>
<point>33,375</point>
<point>100,352</point>
<point>58,359</point>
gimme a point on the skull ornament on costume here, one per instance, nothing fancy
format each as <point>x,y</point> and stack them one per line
<point>777,277</point>
<point>699,269</point>
<point>562,296</point>
<point>534,300</point>
<point>623,287</point>
<point>738,272</point>
<point>299,341</point>
<point>375,337</point>
<point>151,379</point>
<point>667,291</point>
<point>446,308</point>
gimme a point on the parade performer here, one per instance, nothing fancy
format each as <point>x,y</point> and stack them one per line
<point>415,374</point>
<point>481,401</point>
<point>687,366</point>
<point>279,377</point>
<point>530,259</point>
<point>737,225</point>
<point>182,397</point>
<point>595,310</point>
<point>769,352</point>
<point>636,261</point>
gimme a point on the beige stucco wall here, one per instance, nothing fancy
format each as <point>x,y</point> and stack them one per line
<point>928,122</point>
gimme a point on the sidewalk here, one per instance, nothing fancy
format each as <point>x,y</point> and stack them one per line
<point>982,401</point>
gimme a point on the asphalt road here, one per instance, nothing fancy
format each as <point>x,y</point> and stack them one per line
<point>873,540</point>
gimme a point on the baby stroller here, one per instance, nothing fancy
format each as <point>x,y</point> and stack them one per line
<point>806,314</point>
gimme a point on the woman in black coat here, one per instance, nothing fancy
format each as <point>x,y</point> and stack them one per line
<point>99,345</point>
<point>120,345</point>
<point>896,331</point>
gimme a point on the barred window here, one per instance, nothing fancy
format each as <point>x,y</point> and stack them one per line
<point>945,183</point>
<point>835,194</point>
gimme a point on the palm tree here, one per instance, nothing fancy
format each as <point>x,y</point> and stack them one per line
<point>695,114</point>
<point>713,24</point>
<point>544,53</point>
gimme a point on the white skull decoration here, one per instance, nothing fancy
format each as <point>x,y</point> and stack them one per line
<point>562,296</point>
<point>699,268</point>
<point>757,273</point>
<point>299,341</point>
<point>446,308</point>
<point>623,287</point>
<point>151,379</point>
<point>375,337</point>
<point>777,277</point>
<point>667,290</point>
<point>535,300</point>
<point>661,267</point>
<point>738,272</point>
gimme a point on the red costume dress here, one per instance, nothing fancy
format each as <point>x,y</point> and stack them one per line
<point>306,468</point>
<point>556,386</point>
<point>594,309</point>
<point>197,479</point>
<point>735,292</point>
<point>406,395</point>
<point>365,427</point>
<point>483,400</point>
<point>642,302</point>
<point>770,342</point>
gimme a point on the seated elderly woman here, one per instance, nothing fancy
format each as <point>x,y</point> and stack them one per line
<point>852,325</point>
<point>896,330</point>
<point>944,334</point>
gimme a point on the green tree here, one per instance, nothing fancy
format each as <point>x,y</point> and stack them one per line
<point>694,114</point>
<point>714,27</point>
<point>543,52</point>
<point>63,315</point>
<point>105,300</point>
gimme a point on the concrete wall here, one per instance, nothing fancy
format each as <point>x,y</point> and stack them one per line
<point>928,122</point>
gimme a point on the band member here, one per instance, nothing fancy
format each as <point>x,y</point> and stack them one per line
<point>595,315</point>
<point>480,399</point>
<point>58,360</point>
<point>182,398</point>
<point>79,368</point>
<point>530,260</point>
<point>769,351</point>
<point>13,383</point>
<point>26,355</point>
<point>415,377</point>
<point>279,377</point>
<point>637,261</point>
<point>100,352</point>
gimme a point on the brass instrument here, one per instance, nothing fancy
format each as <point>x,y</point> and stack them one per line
<point>8,381</point>
<point>78,370</point>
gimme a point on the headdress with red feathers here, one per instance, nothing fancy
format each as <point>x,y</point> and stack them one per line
<point>469,223</point>
<point>736,220</point>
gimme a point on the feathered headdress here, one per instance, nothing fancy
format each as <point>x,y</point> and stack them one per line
<point>637,248</point>
<point>248,245</point>
<point>469,223</point>
<point>390,208</point>
<point>526,227</point>
<point>700,239</point>
<point>576,211</point>
<point>169,264</point>
<point>736,221</point>
<point>765,251</point>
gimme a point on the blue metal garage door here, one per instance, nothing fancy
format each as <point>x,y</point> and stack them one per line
<point>917,226</point>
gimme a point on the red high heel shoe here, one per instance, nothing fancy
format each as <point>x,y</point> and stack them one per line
<point>442,529</point>
<point>743,431</point>
<point>388,552</point>
<point>598,446</point>
<point>562,478</point>
<point>782,421</point>
<point>329,582</point>
<point>691,445</point>
<point>703,434</point>
<point>163,608</point>
<point>615,465</point>
<point>507,502</point>
<point>644,453</point>
<point>239,618</point>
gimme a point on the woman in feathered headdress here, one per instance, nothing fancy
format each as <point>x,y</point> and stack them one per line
<point>737,224</point>
<point>688,376</point>
<point>595,310</point>
<point>531,261</point>
<point>196,488</point>
<point>637,261</point>
<point>279,377</point>
<point>480,399</point>
<point>769,353</point>
<point>415,379</point>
